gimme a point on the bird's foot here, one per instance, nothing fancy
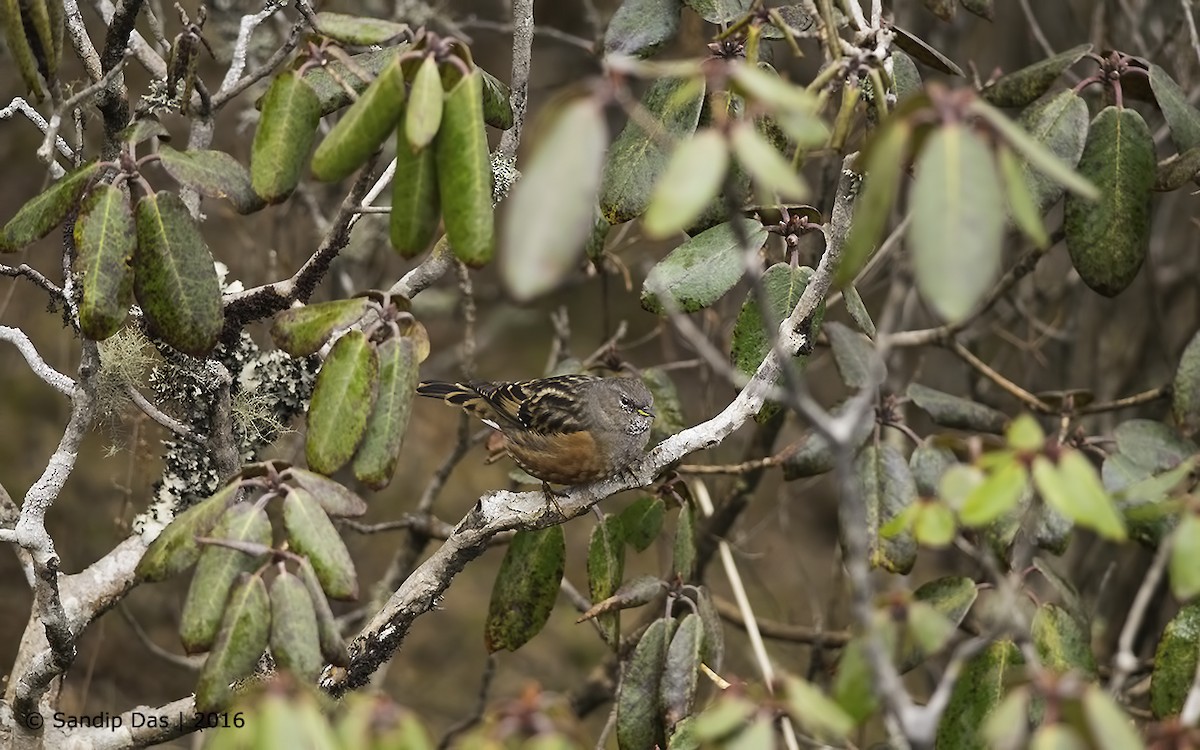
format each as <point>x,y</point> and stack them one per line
<point>552,497</point>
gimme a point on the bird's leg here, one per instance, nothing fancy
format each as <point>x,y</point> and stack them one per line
<point>551,497</point>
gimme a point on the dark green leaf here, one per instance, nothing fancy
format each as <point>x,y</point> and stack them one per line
<point>175,549</point>
<point>356,30</point>
<point>858,310</point>
<point>175,281</point>
<point>342,401</point>
<point>677,690</point>
<point>1182,118</point>
<point>635,593</point>
<point>701,270</point>
<point>375,461</point>
<point>979,689</point>
<point>886,486</point>
<point>143,129</point>
<point>1185,388</point>
<point>684,557</point>
<point>783,285</point>
<point>312,534</point>
<point>908,78</point>
<point>1153,445</point>
<point>301,331</point>
<point>719,11</point>
<point>640,28</point>
<point>639,710</point>
<point>981,8</point>
<point>928,463</point>
<point>330,82</point>
<point>331,495</point>
<point>525,588</point>
<point>855,356</point>
<point>606,570</point>
<point>955,412</point>
<point>213,173</point>
<point>416,202</point>
<point>39,216</point>
<point>364,127</point>
<point>290,112</point>
<point>465,173</point>
<point>295,643</point>
<point>1108,239</point>
<point>497,108</point>
<point>105,238</point>
<point>561,180</point>
<point>920,50</point>
<point>642,520</point>
<point>242,640</point>
<point>1175,662</point>
<point>1063,643</point>
<point>713,651</point>
<point>814,456</point>
<point>1020,87</point>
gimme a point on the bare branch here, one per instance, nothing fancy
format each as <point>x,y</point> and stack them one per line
<point>20,105</point>
<point>48,374</point>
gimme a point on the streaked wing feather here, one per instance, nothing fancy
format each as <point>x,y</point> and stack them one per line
<point>544,406</point>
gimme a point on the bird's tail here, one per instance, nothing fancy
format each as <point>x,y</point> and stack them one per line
<point>458,394</point>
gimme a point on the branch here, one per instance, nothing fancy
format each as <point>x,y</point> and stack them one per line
<point>36,277</point>
<point>20,105</point>
<point>522,55</point>
<point>45,152</point>
<point>123,734</point>
<point>48,374</point>
<point>231,86</point>
<point>145,54</point>
<point>783,631</point>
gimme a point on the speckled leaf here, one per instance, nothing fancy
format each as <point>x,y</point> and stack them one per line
<point>700,271</point>
<point>497,107</point>
<point>416,203</point>
<point>635,593</point>
<point>1182,118</point>
<point>958,221</point>
<point>423,116</point>
<point>784,285</point>
<point>884,164</point>
<point>906,75</point>
<point>1184,564</point>
<point>854,686</point>
<point>816,711</point>
<point>312,534</point>
<point>1073,489</point>
<point>290,112</point>
<point>342,401</point>
<point>301,331</point>
<point>677,689</point>
<point>216,571</point>
<point>327,81</point>
<point>637,159</point>
<point>773,175</point>
<point>174,278</point>
<point>213,173</point>
<point>719,11</point>
<point>1152,444</point>
<point>691,179</point>
<point>956,412</point>
<point>105,239</point>
<point>928,463</point>
<point>40,215</point>
<point>854,355</point>
<point>465,173</point>
<point>920,50</point>
<point>331,495</point>
<point>683,559</point>
<point>979,689</point>
<point>887,487</point>
<point>242,640</point>
<point>561,180</point>
<point>525,588</point>
<point>375,461</point>
<point>1176,171</point>
<point>1185,389</point>
<point>356,30</point>
<point>1062,642</point>
<point>981,8</point>
<point>175,549</point>
<point>712,652</point>
<point>364,126</point>
<point>640,28</point>
<point>295,642</point>
<point>333,648</point>
<point>949,596</point>
<point>642,520</point>
<point>606,569</point>
<point>1175,662</point>
<point>668,409</point>
<point>639,711</point>
<point>814,456</point>
<point>1020,87</point>
<point>1108,239</point>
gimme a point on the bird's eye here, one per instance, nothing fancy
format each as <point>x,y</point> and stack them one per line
<point>626,403</point>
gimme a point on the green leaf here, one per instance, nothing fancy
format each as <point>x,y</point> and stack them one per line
<point>606,570</point>
<point>920,50</point>
<point>978,691</point>
<point>174,278</point>
<point>637,158</point>
<point>1007,726</point>
<point>929,462</point>
<point>525,588</point>
<point>1152,444</point>
<point>1108,724</point>
<point>334,82</point>
<point>642,520</point>
<point>331,495</point>
<point>683,559</point>
<point>423,116</point>
<point>640,28</point>
<point>701,270</point>
<point>854,355</point>
<point>981,8</point>
<point>719,11</point>
<point>815,711</point>
<point>175,549</point>
<point>295,642</point>
<point>1185,388</point>
<point>465,173</point>
<point>290,112</point>
<point>1020,87</point>
<point>105,238</point>
<point>639,710</point>
<point>497,107</point>
<point>212,173</point>
<point>783,285</point>
<point>364,127</point>
<point>1108,239</point>
<point>933,525</point>
<point>356,30</point>
<point>1073,488</point>
<point>886,486</point>
<point>216,572</point>
<point>999,494</point>
<point>950,596</point>
<point>561,181</point>
<point>312,534</point>
<point>1063,643</point>
<point>713,651</point>
<point>416,202</point>
<point>772,173</point>
<point>1175,662</point>
<point>333,648</point>
<point>958,223</point>
<point>38,217</point>
<point>1182,118</point>
<point>956,412</point>
<point>1185,558</point>
<point>690,181</point>
<point>143,129</point>
<point>375,461</point>
<point>342,401</point>
<point>17,44</point>
<point>301,331</point>
<point>814,455</point>
<point>677,689</point>
<point>1060,124</point>
<point>1021,206</point>
<point>242,640</point>
<point>883,167</point>
<point>1025,434</point>
<point>668,411</point>
<point>858,310</point>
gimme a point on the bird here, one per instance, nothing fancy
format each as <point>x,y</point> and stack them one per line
<point>564,429</point>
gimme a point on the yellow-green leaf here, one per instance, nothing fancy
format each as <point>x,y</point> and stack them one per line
<point>105,238</point>
<point>423,115</point>
<point>688,184</point>
<point>290,112</point>
<point>464,174</point>
<point>375,461</point>
<point>312,534</point>
<point>363,128</point>
<point>44,212</point>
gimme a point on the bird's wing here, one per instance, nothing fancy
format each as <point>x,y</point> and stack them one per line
<point>547,405</point>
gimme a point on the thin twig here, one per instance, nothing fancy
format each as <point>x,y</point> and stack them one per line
<point>158,415</point>
<point>485,684</point>
<point>48,374</point>
<point>20,105</point>
<point>1137,399</point>
<point>1022,395</point>
<point>35,276</point>
<point>45,152</point>
<point>192,663</point>
<point>744,467</point>
<point>782,631</point>
<point>1125,661</point>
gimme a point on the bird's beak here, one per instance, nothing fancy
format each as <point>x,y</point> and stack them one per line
<point>646,412</point>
